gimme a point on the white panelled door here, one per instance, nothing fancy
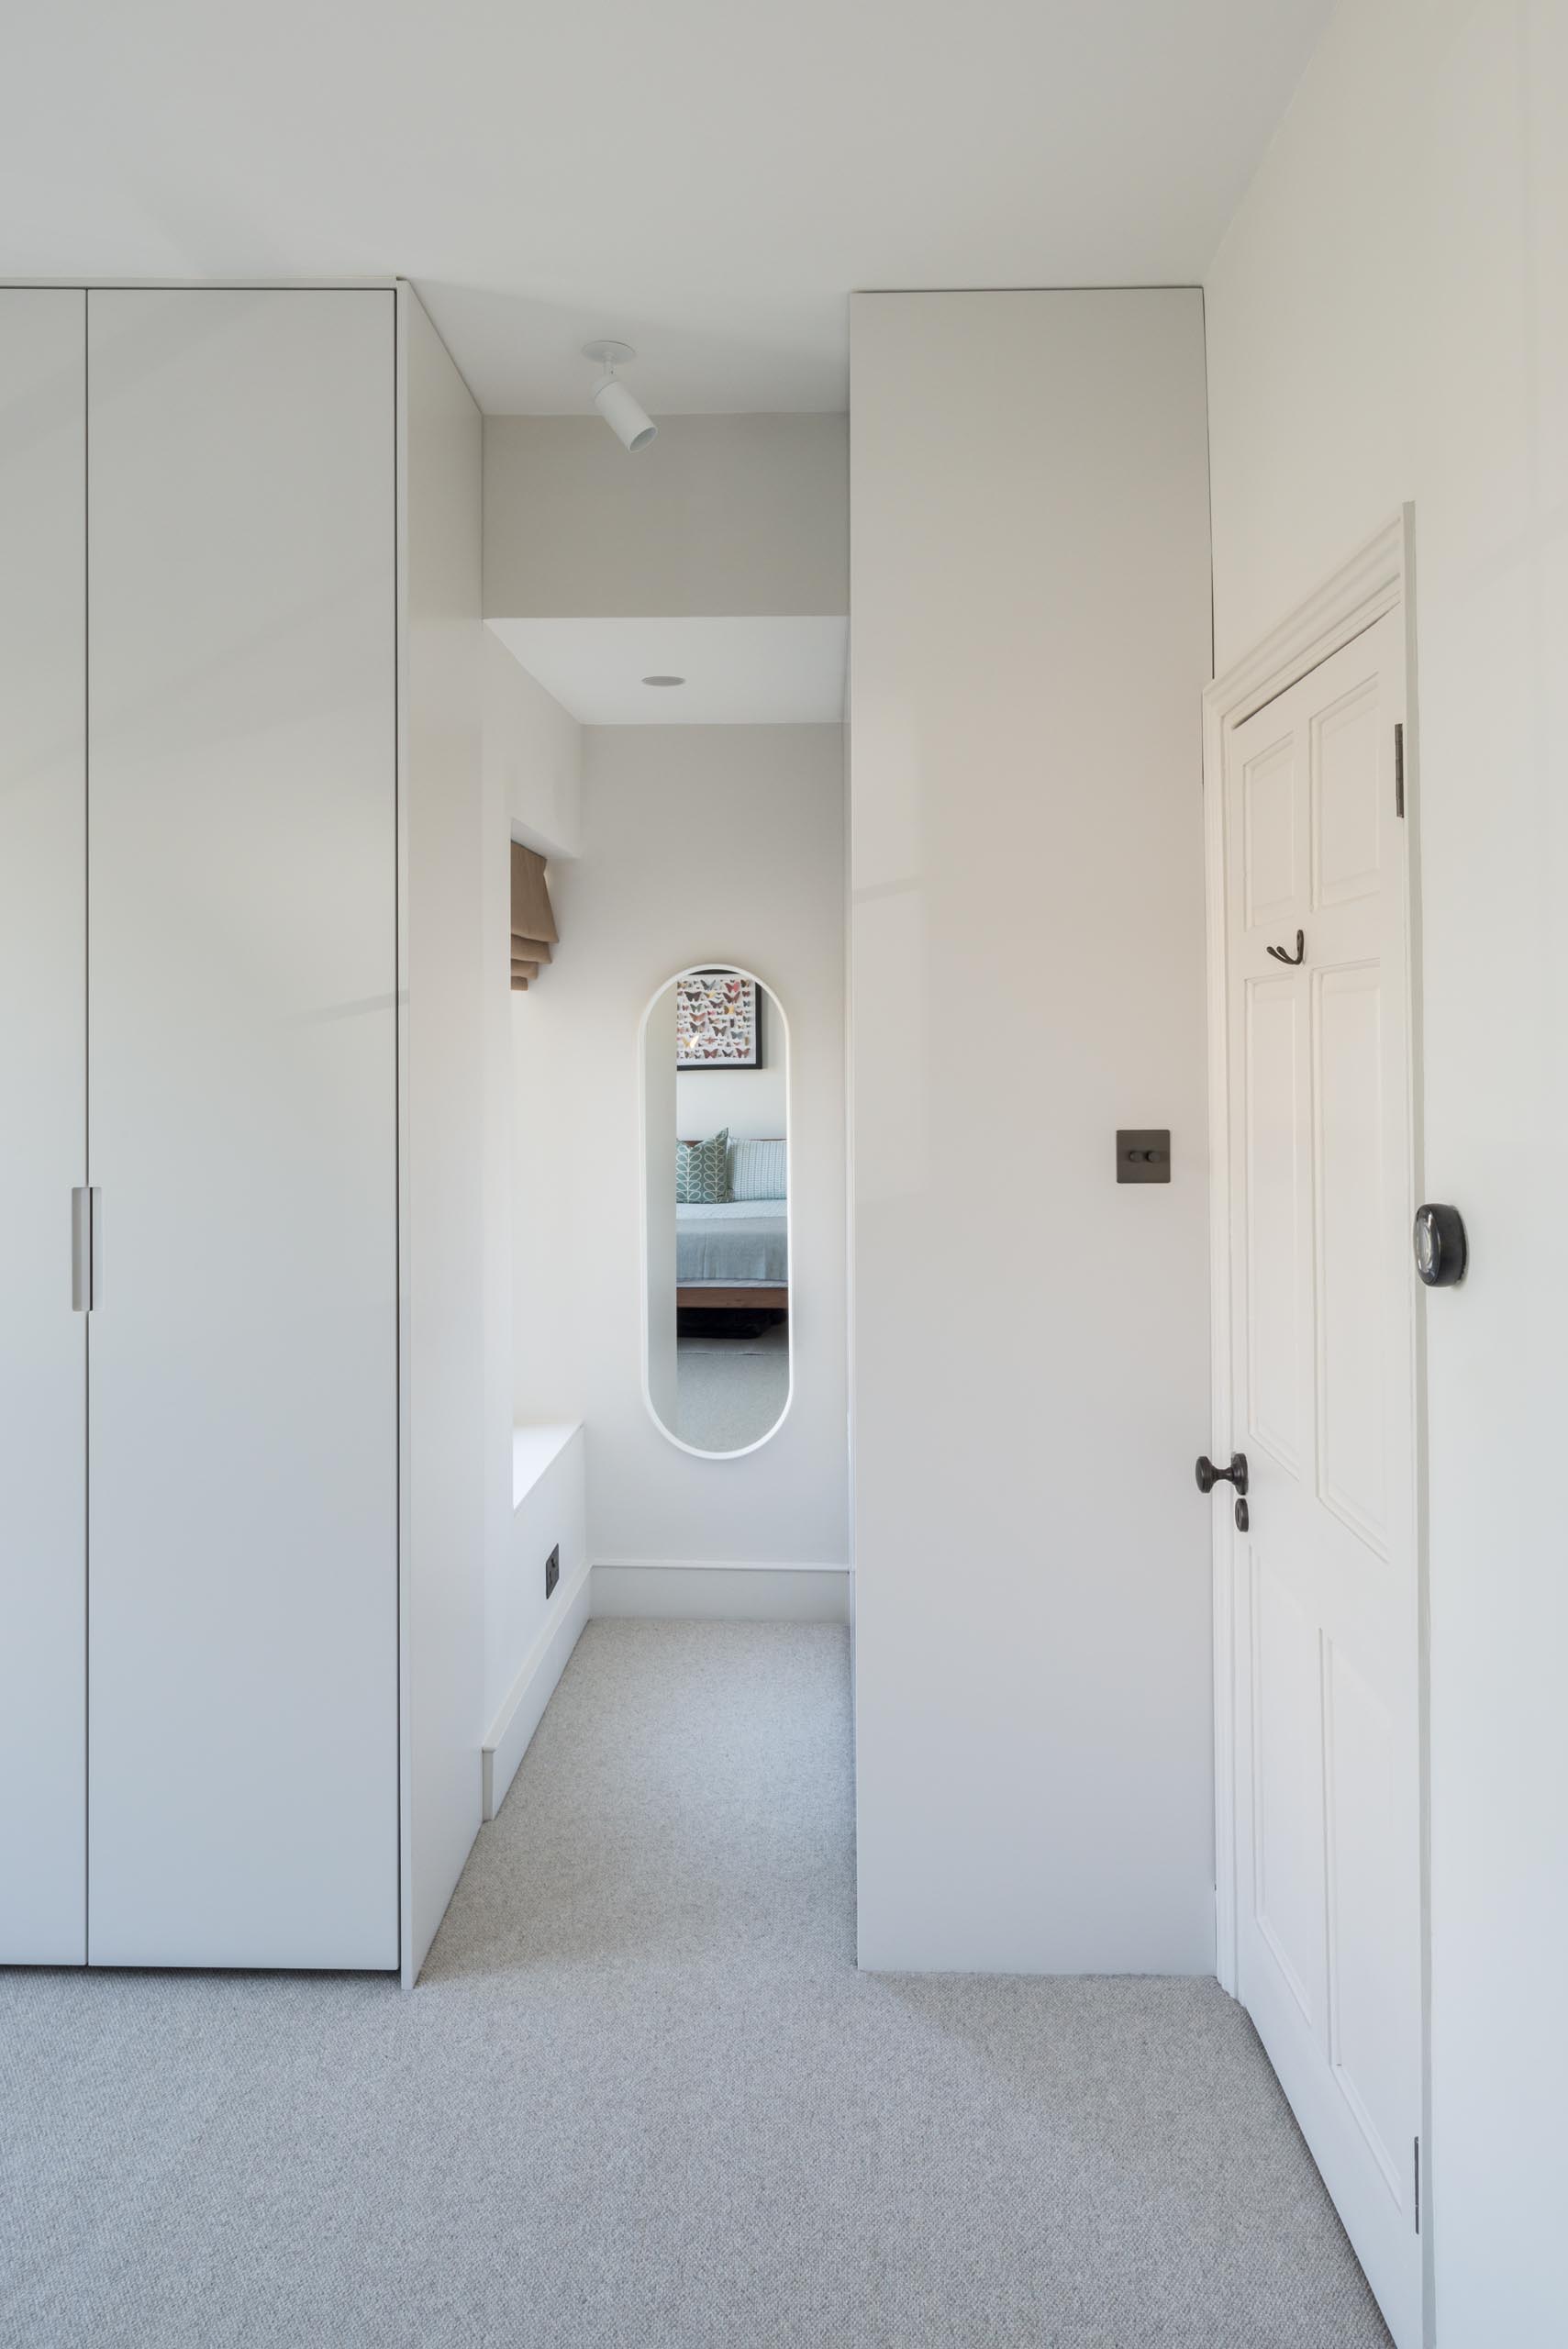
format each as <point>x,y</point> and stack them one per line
<point>1327,1633</point>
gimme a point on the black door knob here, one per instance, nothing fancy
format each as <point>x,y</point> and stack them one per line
<point>1208,1476</point>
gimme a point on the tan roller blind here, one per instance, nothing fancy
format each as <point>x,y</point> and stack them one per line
<point>533,923</point>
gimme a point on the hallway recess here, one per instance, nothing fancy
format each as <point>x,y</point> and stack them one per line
<point>642,2098</point>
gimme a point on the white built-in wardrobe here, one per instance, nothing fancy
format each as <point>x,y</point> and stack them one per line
<point>210,892</point>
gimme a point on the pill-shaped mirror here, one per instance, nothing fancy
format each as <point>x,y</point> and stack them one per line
<point>717,1249</point>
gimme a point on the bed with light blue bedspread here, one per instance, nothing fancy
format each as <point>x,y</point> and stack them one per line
<point>743,1241</point>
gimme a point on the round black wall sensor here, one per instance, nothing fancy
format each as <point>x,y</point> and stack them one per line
<point>1441,1246</point>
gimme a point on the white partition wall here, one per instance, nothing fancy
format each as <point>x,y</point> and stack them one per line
<point>43,1135</point>
<point>1031,638</point>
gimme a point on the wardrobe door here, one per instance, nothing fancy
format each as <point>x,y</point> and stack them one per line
<point>242,1036</point>
<point>42,1129</point>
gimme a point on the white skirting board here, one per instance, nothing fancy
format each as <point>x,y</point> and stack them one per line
<point>515,1724</point>
<point>720,1593</point>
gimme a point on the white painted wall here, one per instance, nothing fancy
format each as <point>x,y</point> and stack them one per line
<point>701,844</point>
<point>533,793</point>
<point>1031,637</point>
<point>720,514</point>
<point>533,755</point>
<point>509,730</point>
<point>544,1506</point>
<point>447,928</point>
<point>1388,319</point>
<point>548,1512</point>
<point>749,1101</point>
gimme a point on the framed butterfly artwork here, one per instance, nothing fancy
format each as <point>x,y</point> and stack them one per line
<point>718,1020</point>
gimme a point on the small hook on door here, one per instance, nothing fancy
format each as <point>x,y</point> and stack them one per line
<point>1281,957</point>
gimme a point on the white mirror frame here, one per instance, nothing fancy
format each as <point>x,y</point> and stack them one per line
<point>775,1011</point>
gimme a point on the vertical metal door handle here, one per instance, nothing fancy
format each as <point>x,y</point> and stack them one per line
<point>81,1251</point>
<point>84,1244</point>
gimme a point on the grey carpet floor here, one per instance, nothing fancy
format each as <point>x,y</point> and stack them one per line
<point>730,1391</point>
<point>643,2098</point>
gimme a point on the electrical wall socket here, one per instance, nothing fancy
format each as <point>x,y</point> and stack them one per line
<point>553,1570</point>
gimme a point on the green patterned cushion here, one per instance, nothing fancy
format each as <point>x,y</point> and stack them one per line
<point>702,1176</point>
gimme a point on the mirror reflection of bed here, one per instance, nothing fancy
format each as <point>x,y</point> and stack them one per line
<point>732,1302</point>
<point>719,1366</point>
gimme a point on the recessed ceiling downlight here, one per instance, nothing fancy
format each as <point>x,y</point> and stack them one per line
<point>663,681</point>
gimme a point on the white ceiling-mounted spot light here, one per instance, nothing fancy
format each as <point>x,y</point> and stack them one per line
<point>631,424</point>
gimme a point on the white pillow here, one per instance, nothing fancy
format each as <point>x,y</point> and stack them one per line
<point>757,1170</point>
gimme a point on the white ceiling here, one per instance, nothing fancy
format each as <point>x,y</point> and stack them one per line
<point>736,672</point>
<point>708,179</point>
